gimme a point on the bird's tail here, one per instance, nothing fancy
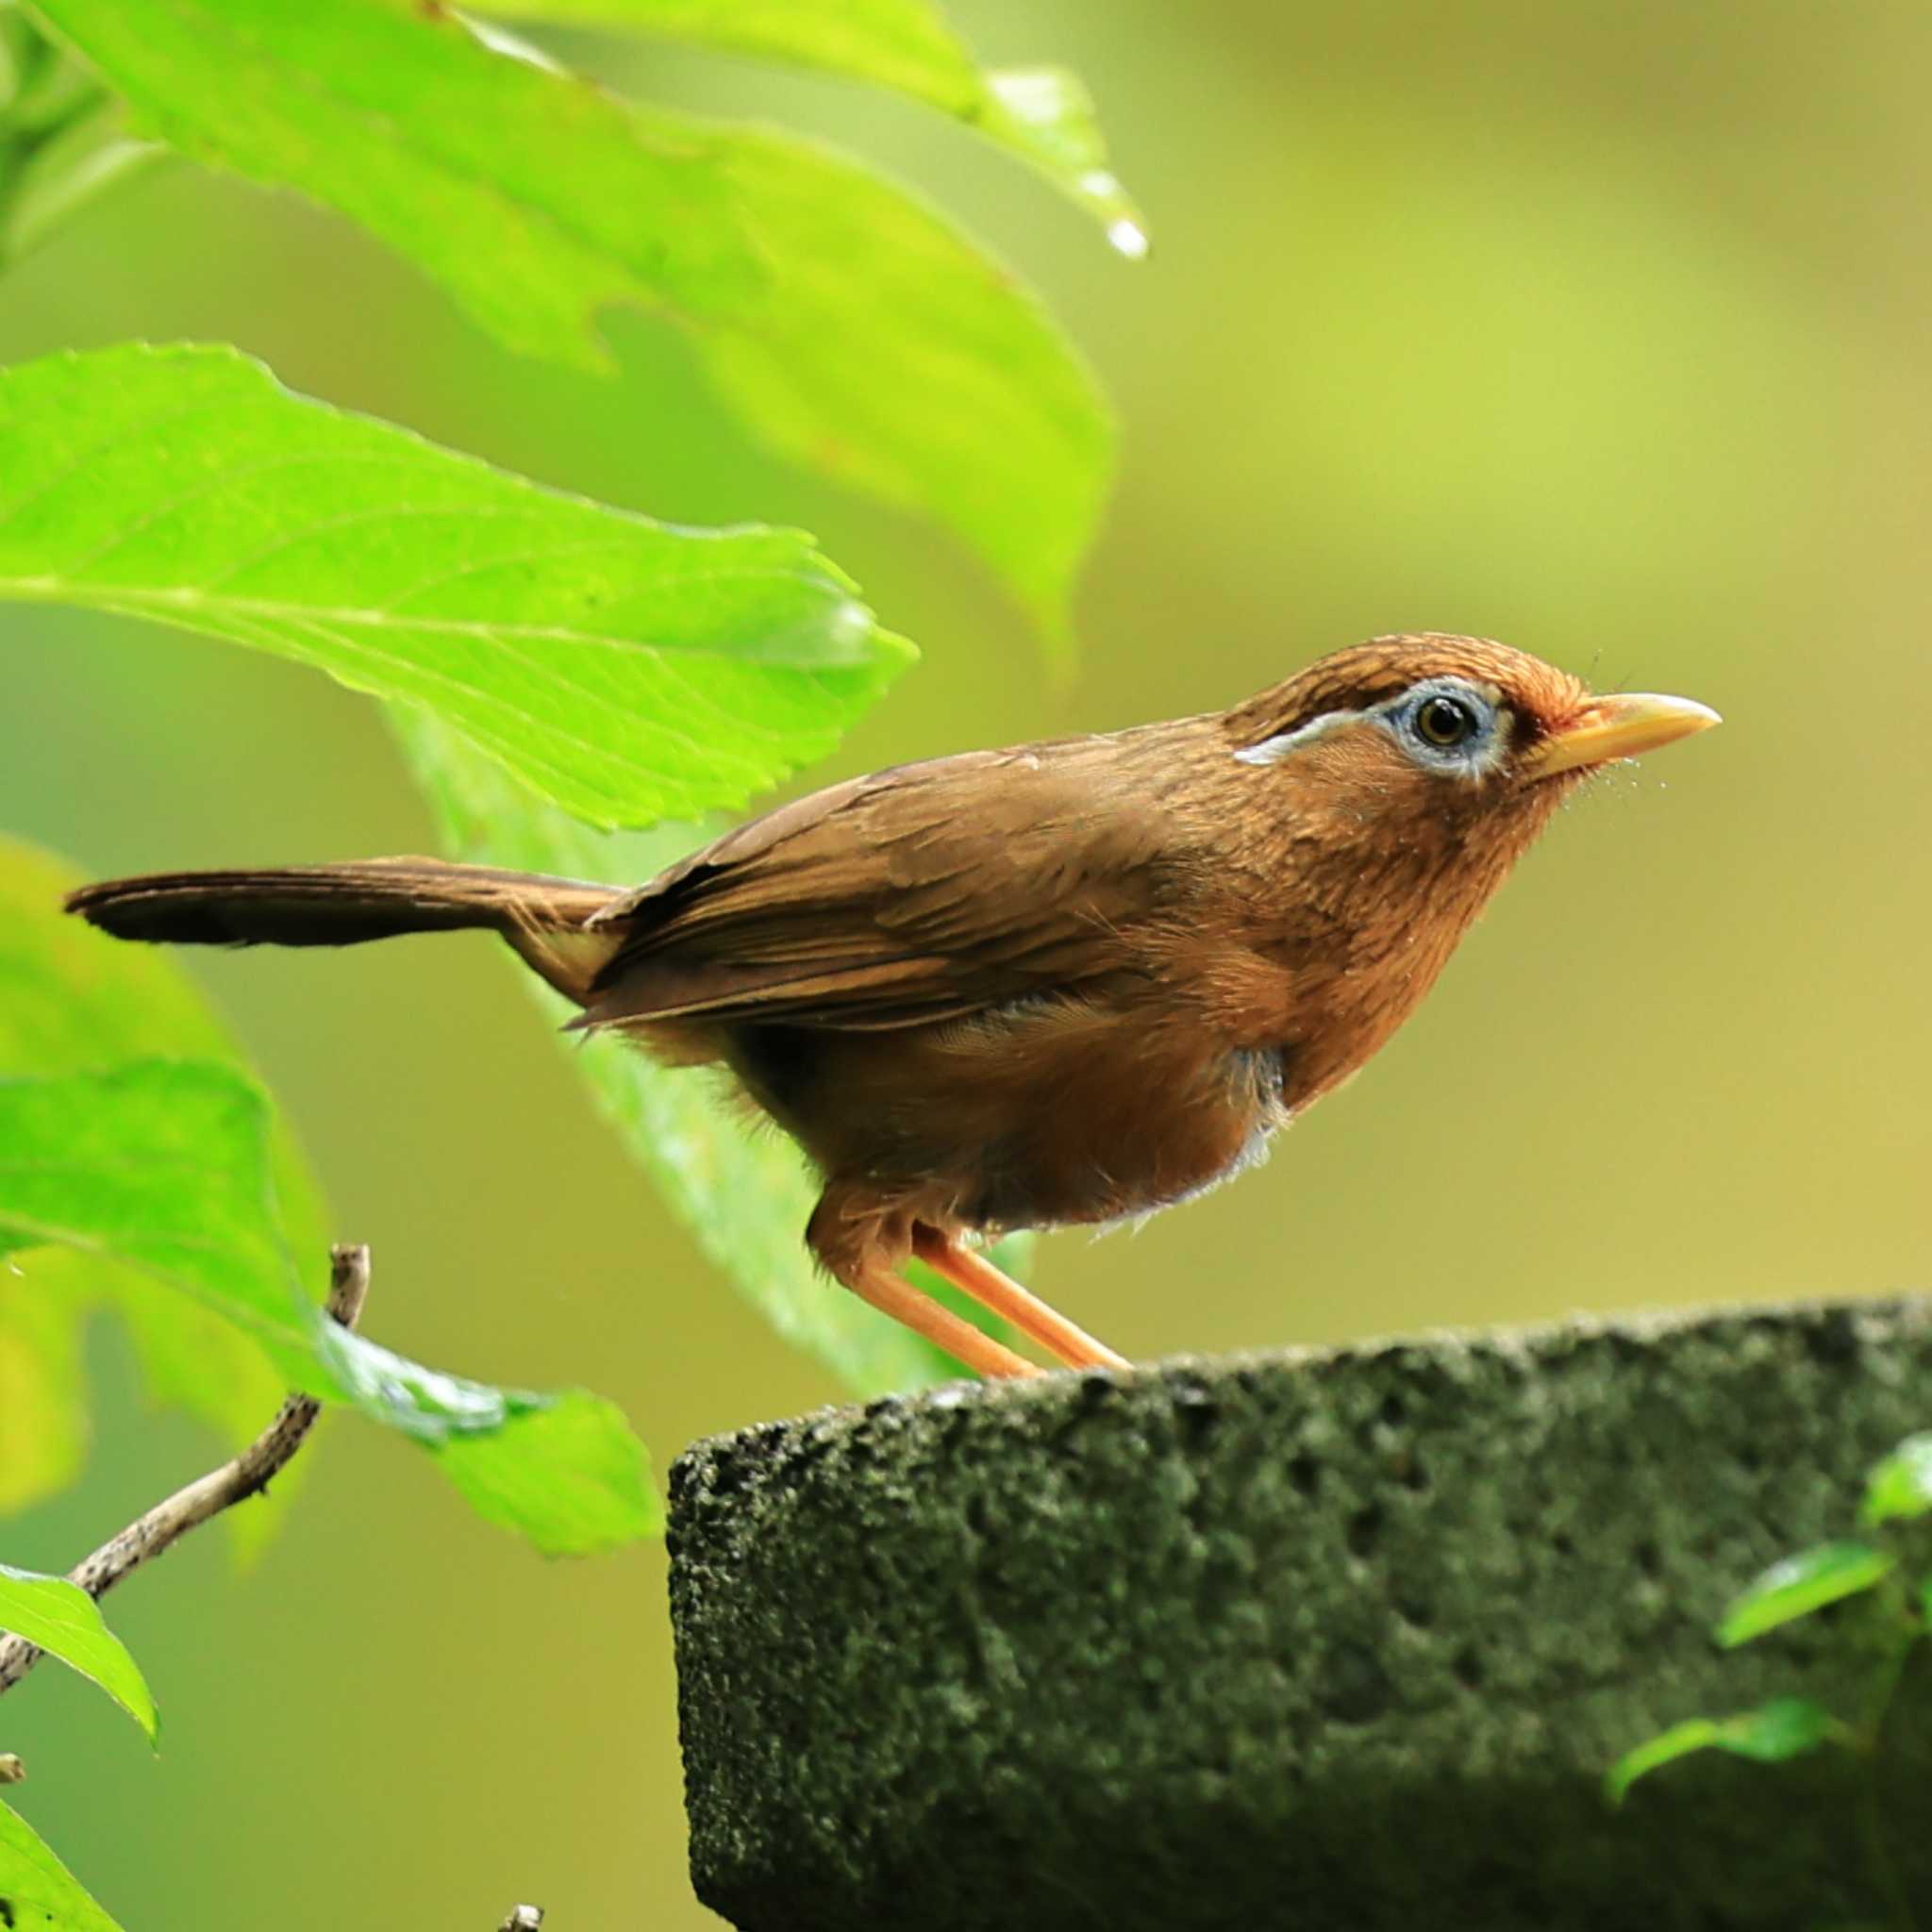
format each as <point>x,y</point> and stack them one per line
<point>371,899</point>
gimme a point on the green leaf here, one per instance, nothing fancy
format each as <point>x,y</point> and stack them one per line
<point>37,1889</point>
<point>60,176</point>
<point>1785,1727</point>
<point>189,1360</point>
<point>852,327</point>
<point>63,138</point>
<point>534,198</point>
<point>21,48</point>
<point>43,1391</point>
<point>73,1000</point>
<point>896,358</point>
<point>746,1195</point>
<point>1900,1484</point>
<point>164,1165</point>
<point>625,668</point>
<point>161,1164</point>
<point>66,1623</point>
<point>44,86</point>
<point>1801,1583</point>
<point>1044,114</point>
<point>570,1477</point>
<point>69,999</point>
<point>903,45</point>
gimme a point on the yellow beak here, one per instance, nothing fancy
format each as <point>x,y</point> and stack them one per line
<point>1619,727</point>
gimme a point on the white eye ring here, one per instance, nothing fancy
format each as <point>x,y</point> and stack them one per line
<point>1449,725</point>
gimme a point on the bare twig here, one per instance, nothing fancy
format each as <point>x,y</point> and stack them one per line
<point>246,1476</point>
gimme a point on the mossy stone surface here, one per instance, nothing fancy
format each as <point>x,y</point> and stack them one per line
<point>1336,1640</point>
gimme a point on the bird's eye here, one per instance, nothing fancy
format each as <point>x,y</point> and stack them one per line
<point>1445,722</point>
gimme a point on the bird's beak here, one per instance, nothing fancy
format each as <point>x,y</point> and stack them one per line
<point>1620,727</point>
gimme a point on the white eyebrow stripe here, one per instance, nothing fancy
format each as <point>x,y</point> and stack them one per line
<point>1271,751</point>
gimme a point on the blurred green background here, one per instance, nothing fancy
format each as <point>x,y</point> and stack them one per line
<point>1600,331</point>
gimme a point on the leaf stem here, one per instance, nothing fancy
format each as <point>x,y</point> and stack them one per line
<point>1878,1702</point>
<point>245,1475</point>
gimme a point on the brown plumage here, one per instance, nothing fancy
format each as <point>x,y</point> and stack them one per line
<point>1058,984</point>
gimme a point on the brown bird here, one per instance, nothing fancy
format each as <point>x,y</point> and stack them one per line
<point>1064,983</point>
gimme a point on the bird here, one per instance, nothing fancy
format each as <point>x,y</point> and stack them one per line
<point>1060,984</point>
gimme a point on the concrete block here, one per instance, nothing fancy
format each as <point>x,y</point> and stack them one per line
<point>1336,1640</point>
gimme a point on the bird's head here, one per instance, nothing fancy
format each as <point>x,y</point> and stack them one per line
<point>1431,762</point>
<point>1448,725</point>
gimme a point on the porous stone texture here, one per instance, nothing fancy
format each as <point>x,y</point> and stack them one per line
<point>1319,1639</point>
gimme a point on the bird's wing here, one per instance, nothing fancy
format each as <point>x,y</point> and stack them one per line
<point>921,893</point>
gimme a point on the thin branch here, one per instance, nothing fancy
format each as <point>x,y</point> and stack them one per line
<point>246,1476</point>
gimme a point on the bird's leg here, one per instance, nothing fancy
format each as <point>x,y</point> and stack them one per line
<point>874,1282</point>
<point>973,1274</point>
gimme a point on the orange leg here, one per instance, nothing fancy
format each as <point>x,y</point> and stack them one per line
<point>899,1299</point>
<point>973,1274</point>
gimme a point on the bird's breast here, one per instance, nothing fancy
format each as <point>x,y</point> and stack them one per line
<point>1054,1113</point>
